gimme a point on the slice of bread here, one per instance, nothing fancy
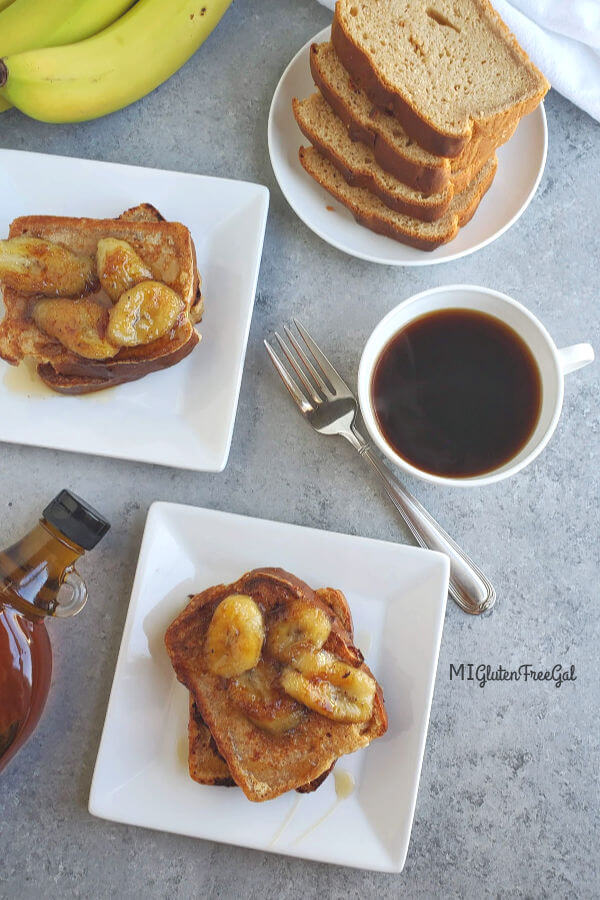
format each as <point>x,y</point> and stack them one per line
<point>205,763</point>
<point>369,211</point>
<point>358,165</point>
<point>166,247</point>
<point>266,765</point>
<point>447,69</point>
<point>393,149</point>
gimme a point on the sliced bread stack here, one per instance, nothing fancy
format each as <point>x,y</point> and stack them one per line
<point>414,98</point>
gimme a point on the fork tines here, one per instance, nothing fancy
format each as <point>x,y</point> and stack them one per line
<point>310,367</point>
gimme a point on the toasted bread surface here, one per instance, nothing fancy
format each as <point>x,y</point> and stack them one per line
<point>206,765</point>
<point>446,69</point>
<point>369,211</point>
<point>262,764</point>
<point>166,247</point>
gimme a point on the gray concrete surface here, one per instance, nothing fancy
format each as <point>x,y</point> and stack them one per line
<point>508,802</point>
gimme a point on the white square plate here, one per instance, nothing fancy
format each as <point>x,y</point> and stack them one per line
<point>182,416</point>
<point>397,596</point>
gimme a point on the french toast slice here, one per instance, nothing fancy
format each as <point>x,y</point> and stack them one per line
<point>263,763</point>
<point>205,763</point>
<point>207,766</point>
<point>146,212</point>
<point>165,247</point>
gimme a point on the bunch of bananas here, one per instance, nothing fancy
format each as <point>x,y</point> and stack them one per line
<point>73,60</point>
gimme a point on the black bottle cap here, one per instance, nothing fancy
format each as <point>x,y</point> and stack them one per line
<point>76,519</point>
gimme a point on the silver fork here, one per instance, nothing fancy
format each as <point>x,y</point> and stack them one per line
<point>326,401</point>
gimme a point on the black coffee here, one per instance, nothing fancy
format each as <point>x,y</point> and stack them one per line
<point>457,393</point>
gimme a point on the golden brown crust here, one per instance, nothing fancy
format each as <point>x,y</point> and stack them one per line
<point>430,178</point>
<point>74,378</point>
<point>143,212</point>
<point>264,765</point>
<point>418,207</point>
<point>409,233</point>
<point>356,61</point>
<point>205,763</point>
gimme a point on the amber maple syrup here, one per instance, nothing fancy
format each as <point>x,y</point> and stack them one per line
<point>32,573</point>
<point>24,379</point>
<point>25,673</point>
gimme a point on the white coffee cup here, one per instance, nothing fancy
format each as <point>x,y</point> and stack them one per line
<point>553,364</point>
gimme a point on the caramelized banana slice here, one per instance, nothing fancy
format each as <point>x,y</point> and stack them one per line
<point>303,627</point>
<point>143,314</point>
<point>235,636</point>
<point>259,695</point>
<point>34,266</point>
<point>330,687</point>
<point>79,325</point>
<point>119,267</point>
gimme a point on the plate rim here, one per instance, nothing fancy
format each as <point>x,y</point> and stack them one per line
<point>324,34</point>
<point>256,193</point>
<point>164,508</point>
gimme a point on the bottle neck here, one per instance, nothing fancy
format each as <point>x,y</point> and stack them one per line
<point>33,569</point>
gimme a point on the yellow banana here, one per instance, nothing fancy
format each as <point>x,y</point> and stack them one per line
<point>29,24</point>
<point>119,65</point>
<point>234,637</point>
<point>5,3</point>
<point>304,627</point>
<point>119,267</point>
<point>33,266</point>
<point>330,687</point>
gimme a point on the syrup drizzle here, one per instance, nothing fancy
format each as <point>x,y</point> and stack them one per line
<point>344,787</point>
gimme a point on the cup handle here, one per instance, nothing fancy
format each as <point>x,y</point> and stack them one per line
<point>79,595</point>
<point>575,357</point>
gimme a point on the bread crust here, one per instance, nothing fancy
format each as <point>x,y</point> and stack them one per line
<point>429,179</point>
<point>420,207</point>
<point>75,377</point>
<point>405,236</point>
<point>415,122</point>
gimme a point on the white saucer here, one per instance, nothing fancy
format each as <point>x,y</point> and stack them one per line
<point>521,164</point>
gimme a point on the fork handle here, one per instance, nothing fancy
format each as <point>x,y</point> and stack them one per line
<point>468,586</point>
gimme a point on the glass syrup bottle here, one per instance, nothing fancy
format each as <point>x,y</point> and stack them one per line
<point>38,579</point>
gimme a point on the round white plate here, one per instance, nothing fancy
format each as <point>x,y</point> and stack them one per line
<point>520,166</point>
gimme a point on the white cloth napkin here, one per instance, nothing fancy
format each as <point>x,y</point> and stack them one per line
<point>562,37</point>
